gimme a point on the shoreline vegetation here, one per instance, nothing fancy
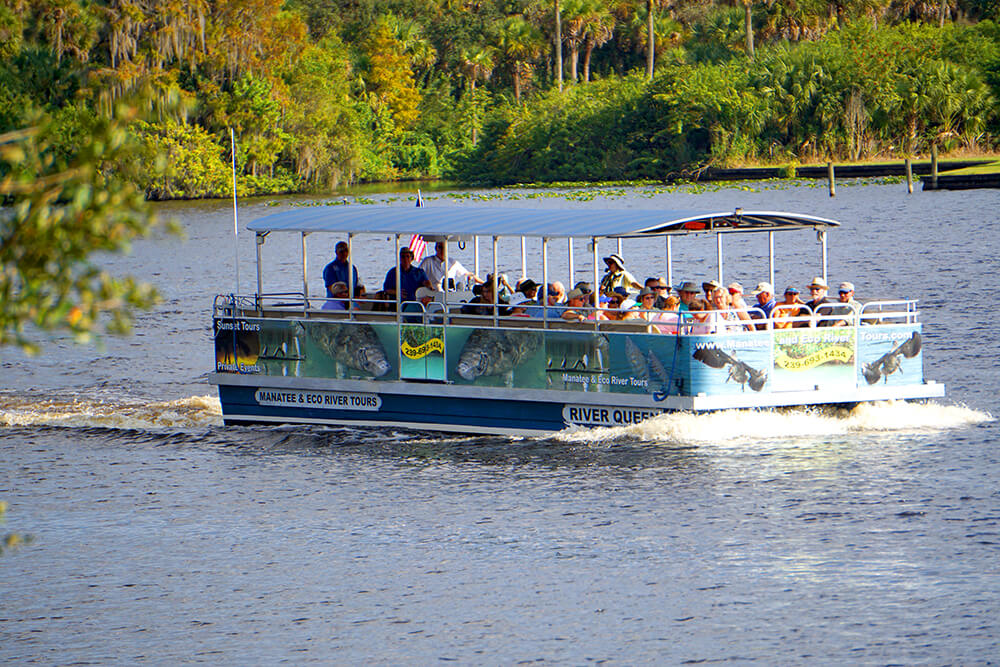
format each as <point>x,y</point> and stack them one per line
<point>334,94</point>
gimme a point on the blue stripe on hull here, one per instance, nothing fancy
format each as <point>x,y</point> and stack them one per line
<point>465,414</point>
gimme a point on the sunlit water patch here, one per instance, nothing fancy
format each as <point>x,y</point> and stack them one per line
<point>743,425</point>
<point>191,412</point>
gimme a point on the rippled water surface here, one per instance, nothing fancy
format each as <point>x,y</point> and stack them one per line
<point>789,537</point>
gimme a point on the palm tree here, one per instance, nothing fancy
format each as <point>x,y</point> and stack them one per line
<point>521,43</point>
<point>598,29</point>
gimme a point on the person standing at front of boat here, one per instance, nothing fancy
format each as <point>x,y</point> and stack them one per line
<point>616,276</point>
<point>410,277</point>
<point>433,266</point>
<point>336,271</point>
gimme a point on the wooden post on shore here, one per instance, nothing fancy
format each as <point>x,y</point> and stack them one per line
<point>934,166</point>
<point>909,176</point>
<point>829,175</point>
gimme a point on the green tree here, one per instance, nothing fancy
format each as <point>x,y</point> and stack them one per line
<point>59,212</point>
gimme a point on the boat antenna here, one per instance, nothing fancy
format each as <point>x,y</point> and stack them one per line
<point>236,249</point>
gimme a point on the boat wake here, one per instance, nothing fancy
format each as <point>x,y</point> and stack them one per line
<point>784,423</point>
<point>192,412</point>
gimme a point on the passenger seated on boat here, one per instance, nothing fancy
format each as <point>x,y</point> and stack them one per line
<point>846,308</point>
<point>503,286</point>
<point>433,266</point>
<point>695,320</point>
<point>668,319</point>
<point>484,304</point>
<point>616,275</point>
<point>722,319</point>
<point>529,289</point>
<point>686,292</point>
<point>644,307</point>
<point>660,287</point>
<point>709,287</point>
<point>817,304</point>
<point>740,306</point>
<point>765,304</point>
<point>336,271</point>
<point>338,301</point>
<point>362,300</point>
<point>410,277</point>
<point>576,299</point>
<point>627,300</point>
<point>612,308</point>
<point>555,296</point>
<point>787,309</point>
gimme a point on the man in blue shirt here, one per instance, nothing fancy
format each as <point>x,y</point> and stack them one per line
<point>336,271</point>
<point>410,277</point>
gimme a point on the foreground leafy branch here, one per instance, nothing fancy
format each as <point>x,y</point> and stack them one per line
<point>61,203</point>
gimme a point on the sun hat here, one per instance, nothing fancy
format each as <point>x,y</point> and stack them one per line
<point>846,287</point>
<point>338,286</point>
<point>764,287</point>
<point>620,291</point>
<point>710,285</point>
<point>425,291</point>
<point>583,286</point>
<point>617,259</point>
<point>576,294</point>
<point>818,282</point>
<point>735,288</point>
<point>645,291</point>
<point>791,290</point>
<point>688,287</point>
<point>527,285</point>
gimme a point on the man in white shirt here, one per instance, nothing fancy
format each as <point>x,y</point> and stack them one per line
<point>433,266</point>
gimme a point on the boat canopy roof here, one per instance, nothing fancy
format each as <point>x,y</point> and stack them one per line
<point>456,222</point>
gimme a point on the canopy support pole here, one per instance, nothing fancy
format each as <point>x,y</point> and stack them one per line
<point>670,262</point>
<point>260,288</point>
<point>444,282</point>
<point>597,285</point>
<point>399,280</point>
<point>572,272</point>
<point>545,281</point>
<point>619,250</point>
<point>822,240</point>
<point>496,289</point>
<point>351,283</point>
<point>524,260</point>
<point>475,249</point>
<point>718,251</point>
<point>305,275</point>
<point>770,256</point>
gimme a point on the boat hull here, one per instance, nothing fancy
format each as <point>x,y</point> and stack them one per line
<point>446,408</point>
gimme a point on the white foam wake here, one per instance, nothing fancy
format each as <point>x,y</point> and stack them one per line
<point>738,425</point>
<point>192,412</point>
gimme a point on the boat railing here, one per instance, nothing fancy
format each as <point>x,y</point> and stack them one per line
<point>295,305</point>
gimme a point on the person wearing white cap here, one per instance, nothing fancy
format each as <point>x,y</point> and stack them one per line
<point>617,276</point>
<point>764,292</point>
<point>846,307</point>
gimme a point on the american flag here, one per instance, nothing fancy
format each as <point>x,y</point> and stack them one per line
<point>417,246</point>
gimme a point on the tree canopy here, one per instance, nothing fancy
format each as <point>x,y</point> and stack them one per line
<point>321,93</point>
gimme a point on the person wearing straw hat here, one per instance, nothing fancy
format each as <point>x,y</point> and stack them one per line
<point>617,276</point>
<point>817,290</point>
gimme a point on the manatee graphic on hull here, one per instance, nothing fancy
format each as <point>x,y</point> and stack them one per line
<point>352,345</point>
<point>495,352</point>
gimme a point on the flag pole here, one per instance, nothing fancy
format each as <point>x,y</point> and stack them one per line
<point>236,225</point>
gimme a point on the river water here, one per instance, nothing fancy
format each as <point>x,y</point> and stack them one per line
<point>795,537</point>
